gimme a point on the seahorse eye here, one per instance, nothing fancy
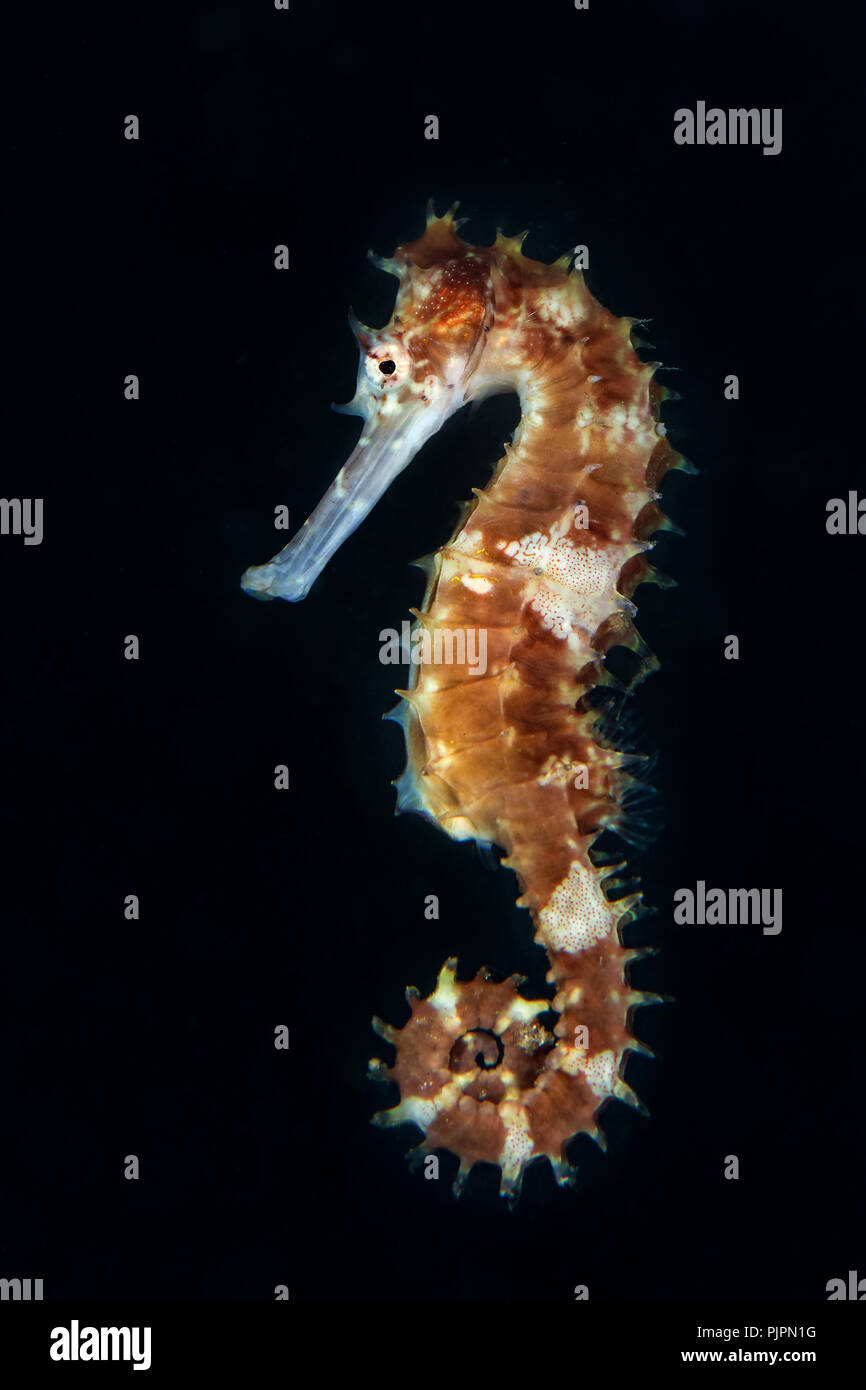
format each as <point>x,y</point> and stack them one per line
<point>388,367</point>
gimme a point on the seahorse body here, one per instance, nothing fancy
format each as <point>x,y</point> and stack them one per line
<point>544,562</point>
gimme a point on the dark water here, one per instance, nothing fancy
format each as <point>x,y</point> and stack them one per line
<point>154,1037</point>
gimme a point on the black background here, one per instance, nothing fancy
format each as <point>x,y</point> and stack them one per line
<point>306,908</point>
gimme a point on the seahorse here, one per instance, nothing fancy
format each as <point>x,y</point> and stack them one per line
<point>516,752</point>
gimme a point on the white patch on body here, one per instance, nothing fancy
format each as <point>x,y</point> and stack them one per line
<point>600,1072</point>
<point>477,583</point>
<point>578,914</point>
<point>445,998</point>
<point>571,1060</point>
<point>555,305</point>
<point>520,1010</point>
<point>581,592</point>
<point>517,1147</point>
<point>420,1112</point>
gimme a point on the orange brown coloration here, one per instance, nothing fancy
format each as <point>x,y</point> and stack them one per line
<point>543,564</point>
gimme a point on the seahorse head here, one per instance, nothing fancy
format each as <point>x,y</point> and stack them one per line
<point>424,357</point>
<point>462,328</point>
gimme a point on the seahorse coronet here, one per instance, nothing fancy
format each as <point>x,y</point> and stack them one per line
<point>522,605</point>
